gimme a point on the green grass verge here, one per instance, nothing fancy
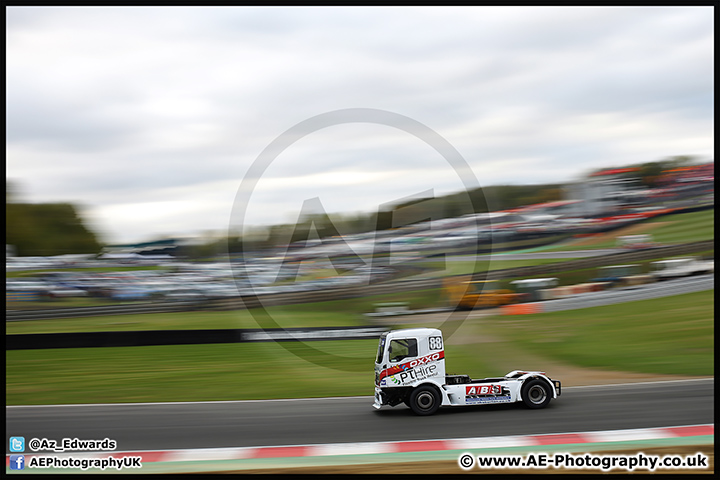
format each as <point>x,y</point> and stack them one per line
<point>179,373</point>
<point>669,335</point>
<point>665,230</point>
<point>685,228</point>
<point>195,372</point>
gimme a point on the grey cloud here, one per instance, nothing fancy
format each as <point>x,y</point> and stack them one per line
<point>106,105</point>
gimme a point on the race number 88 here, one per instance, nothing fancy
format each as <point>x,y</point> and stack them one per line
<point>436,343</point>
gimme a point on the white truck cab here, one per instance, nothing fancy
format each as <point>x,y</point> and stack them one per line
<point>410,369</point>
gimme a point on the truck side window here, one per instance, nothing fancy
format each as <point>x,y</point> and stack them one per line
<point>400,349</point>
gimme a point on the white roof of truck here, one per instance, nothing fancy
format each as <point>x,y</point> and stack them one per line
<point>414,332</point>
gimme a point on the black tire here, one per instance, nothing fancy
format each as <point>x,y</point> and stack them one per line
<point>424,400</point>
<point>536,393</point>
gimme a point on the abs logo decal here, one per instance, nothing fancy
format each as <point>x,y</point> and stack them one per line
<point>483,390</point>
<point>486,394</point>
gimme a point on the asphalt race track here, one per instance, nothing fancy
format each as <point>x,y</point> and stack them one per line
<point>147,427</point>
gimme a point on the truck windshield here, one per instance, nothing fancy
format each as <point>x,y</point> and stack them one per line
<point>381,348</point>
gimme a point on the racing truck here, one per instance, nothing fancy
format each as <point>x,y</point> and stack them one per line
<point>410,369</point>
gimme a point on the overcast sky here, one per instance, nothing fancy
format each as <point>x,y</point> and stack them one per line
<point>150,118</point>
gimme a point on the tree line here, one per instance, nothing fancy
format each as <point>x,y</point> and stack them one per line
<point>46,229</point>
<point>58,228</point>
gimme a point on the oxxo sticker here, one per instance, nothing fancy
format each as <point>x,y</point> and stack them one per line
<point>418,369</point>
<point>433,357</point>
<point>405,367</point>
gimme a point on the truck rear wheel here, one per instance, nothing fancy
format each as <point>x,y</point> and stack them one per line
<point>424,400</point>
<point>536,393</point>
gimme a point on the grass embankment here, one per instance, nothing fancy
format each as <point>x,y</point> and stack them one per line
<point>673,335</point>
<point>665,230</point>
<point>669,335</point>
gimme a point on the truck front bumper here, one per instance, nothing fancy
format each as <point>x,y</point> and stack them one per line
<point>379,399</point>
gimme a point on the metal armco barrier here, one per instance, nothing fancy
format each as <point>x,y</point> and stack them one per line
<point>17,315</point>
<point>629,294</point>
<point>184,337</point>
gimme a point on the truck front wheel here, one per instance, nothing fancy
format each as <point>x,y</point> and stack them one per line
<point>424,400</point>
<point>536,393</point>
